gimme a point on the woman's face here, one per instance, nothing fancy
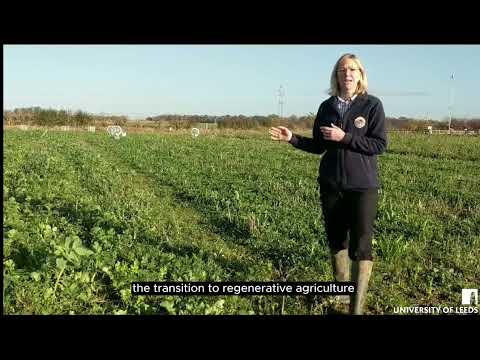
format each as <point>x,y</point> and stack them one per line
<point>348,76</point>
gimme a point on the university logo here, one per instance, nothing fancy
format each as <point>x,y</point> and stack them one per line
<point>359,122</point>
<point>469,296</point>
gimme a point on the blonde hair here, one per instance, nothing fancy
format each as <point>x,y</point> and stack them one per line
<point>362,85</point>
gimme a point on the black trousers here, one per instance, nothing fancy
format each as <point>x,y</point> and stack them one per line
<point>349,218</point>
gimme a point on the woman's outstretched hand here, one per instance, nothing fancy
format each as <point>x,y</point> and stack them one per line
<point>280,133</point>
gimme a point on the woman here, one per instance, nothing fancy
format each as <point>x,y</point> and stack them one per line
<point>349,130</point>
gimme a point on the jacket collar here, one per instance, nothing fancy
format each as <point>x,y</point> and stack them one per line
<point>358,100</point>
<point>346,101</point>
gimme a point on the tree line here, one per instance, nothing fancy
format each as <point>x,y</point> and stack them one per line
<point>232,121</point>
<point>403,123</point>
<point>304,122</point>
<point>52,117</point>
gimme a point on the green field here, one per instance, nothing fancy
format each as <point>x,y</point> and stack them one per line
<point>85,215</point>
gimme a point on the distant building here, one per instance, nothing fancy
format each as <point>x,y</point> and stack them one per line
<point>206,125</point>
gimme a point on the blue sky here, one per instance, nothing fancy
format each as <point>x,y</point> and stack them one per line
<point>148,80</point>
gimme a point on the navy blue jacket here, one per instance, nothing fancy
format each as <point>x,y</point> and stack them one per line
<point>350,164</point>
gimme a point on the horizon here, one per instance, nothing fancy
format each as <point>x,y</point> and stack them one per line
<point>474,118</point>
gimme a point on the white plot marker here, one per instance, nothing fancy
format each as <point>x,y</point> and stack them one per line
<point>116,131</point>
<point>195,132</point>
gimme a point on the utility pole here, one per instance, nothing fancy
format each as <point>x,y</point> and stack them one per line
<point>451,105</point>
<point>281,101</point>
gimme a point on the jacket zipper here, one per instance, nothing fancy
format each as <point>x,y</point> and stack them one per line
<point>339,154</point>
<point>341,173</point>
<point>342,157</point>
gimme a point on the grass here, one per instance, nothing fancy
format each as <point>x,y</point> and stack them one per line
<point>85,215</point>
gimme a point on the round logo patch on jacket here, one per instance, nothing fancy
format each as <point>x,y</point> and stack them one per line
<point>360,122</point>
